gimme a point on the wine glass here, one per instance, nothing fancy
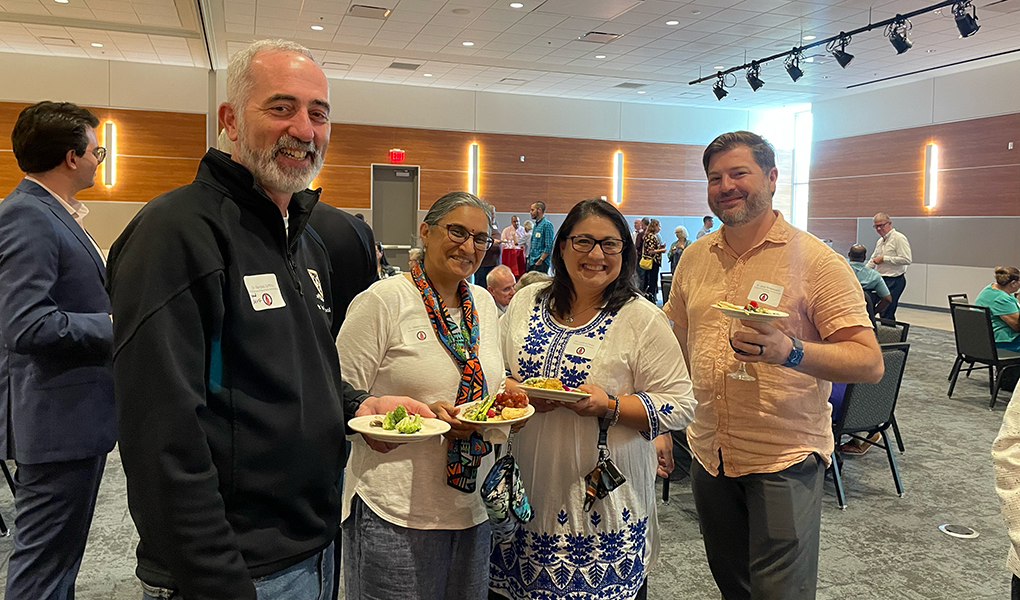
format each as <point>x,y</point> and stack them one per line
<point>741,373</point>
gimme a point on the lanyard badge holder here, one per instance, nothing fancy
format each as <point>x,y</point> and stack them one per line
<point>605,477</point>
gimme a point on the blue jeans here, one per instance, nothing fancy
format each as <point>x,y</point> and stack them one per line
<point>310,579</point>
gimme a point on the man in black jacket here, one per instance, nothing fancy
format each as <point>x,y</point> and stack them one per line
<point>230,406</point>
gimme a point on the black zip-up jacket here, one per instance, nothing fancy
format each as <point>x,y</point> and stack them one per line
<point>230,407</point>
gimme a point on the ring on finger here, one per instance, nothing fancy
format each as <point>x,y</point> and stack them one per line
<point>761,350</point>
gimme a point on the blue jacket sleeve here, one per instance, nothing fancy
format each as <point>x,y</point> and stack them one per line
<point>30,320</point>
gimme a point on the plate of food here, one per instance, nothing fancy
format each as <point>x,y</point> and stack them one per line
<point>399,426</point>
<point>504,408</point>
<point>550,388</point>
<point>752,311</point>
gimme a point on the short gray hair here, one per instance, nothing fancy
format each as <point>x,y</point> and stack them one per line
<point>680,229</point>
<point>490,279</point>
<point>454,200</point>
<point>415,254</point>
<point>240,81</point>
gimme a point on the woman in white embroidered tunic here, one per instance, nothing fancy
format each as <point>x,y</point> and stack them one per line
<point>411,529</point>
<point>590,329</point>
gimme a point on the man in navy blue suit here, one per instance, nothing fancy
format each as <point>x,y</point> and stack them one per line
<point>56,380</point>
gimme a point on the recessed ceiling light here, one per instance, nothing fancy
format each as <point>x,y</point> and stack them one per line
<point>516,5</point>
<point>642,92</point>
<point>427,75</point>
<point>672,22</point>
<point>62,1</point>
<point>461,11</point>
<point>600,56</point>
<point>467,43</point>
<point>719,67</point>
<point>930,50</point>
<point>809,37</point>
<point>96,45</point>
<point>317,27</point>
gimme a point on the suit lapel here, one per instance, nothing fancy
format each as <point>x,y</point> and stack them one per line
<point>65,217</point>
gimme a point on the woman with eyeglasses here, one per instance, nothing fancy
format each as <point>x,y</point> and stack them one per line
<point>1000,298</point>
<point>590,328</point>
<point>414,524</point>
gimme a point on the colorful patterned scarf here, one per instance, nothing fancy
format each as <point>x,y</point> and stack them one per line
<point>463,456</point>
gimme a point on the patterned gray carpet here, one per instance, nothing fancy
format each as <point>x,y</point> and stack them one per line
<point>880,546</point>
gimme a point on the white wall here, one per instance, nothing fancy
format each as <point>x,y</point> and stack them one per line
<point>940,98</point>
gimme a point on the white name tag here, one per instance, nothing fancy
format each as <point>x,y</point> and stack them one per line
<point>584,347</point>
<point>766,293</point>
<point>538,234</point>
<point>418,333</point>
<point>264,291</point>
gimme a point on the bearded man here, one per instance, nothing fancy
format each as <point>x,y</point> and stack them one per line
<point>230,405</point>
<point>762,446</point>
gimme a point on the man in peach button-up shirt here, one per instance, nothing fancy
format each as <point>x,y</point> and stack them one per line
<point>762,446</point>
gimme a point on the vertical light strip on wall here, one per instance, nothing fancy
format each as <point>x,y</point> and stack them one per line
<point>618,177</point>
<point>473,168</point>
<point>109,165</point>
<point>931,175</point>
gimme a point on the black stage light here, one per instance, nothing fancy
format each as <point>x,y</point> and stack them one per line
<point>897,34</point>
<point>966,22</point>
<point>753,79</point>
<point>838,50</point>
<point>719,91</point>
<point>793,66</point>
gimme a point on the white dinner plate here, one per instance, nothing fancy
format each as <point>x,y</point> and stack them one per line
<point>750,316</point>
<point>554,395</point>
<point>527,415</point>
<point>430,428</point>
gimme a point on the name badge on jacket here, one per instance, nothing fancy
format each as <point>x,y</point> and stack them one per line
<point>264,291</point>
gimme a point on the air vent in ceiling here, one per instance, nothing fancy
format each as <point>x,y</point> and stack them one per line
<point>630,85</point>
<point>404,66</point>
<point>599,37</point>
<point>57,41</point>
<point>512,81</point>
<point>335,66</point>
<point>369,12</point>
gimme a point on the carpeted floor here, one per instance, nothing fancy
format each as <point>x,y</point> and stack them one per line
<point>880,546</point>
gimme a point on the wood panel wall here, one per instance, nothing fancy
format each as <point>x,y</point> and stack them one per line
<point>884,172</point>
<point>156,152</point>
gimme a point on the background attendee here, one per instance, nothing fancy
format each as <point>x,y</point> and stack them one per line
<point>513,236</point>
<point>639,243</point>
<point>871,282</point>
<point>491,259</point>
<point>528,227</point>
<point>677,248</point>
<point>231,408</point>
<point>500,283</point>
<point>351,248</point>
<point>590,329</point>
<point>639,226</point>
<point>383,267</point>
<point>652,248</point>
<point>762,447</point>
<point>414,255</point>
<point>1000,297</point>
<point>531,278</point>
<point>541,240</point>
<point>706,228</point>
<point>411,529</point>
<point>891,258</point>
<point>56,382</point>
<point>1006,457</point>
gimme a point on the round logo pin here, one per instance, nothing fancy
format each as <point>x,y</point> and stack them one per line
<point>267,299</point>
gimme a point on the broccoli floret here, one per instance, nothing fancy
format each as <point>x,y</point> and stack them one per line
<point>399,413</point>
<point>410,424</point>
<point>389,423</point>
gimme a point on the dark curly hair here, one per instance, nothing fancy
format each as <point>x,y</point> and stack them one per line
<point>46,131</point>
<point>560,294</point>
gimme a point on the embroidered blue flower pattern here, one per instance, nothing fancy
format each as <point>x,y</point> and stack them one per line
<point>625,514</point>
<point>545,349</point>
<point>608,565</point>
<point>562,517</point>
<point>666,409</point>
<point>596,518</point>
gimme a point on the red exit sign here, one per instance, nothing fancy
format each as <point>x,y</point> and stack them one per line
<point>396,155</point>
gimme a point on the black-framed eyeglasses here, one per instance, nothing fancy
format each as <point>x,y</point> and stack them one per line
<point>460,234</point>
<point>100,153</point>
<point>881,225</point>
<point>585,244</point>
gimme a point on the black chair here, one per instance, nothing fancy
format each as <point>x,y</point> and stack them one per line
<point>889,331</point>
<point>975,343</point>
<point>869,407</point>
<point>959,299</point>
<point>665,282</point>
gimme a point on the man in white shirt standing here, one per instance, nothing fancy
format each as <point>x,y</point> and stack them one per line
<point>890,259</point>
<point>513,235</point>
<point>708,223</point>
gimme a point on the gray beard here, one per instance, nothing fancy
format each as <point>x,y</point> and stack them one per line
<point>754,205</point>
<point>268,172</point>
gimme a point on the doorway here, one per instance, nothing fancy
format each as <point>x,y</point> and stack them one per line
<point>395,211</point>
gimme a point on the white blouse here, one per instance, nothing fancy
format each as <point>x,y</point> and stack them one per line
<point>606,553</point>
<point>387,346</point>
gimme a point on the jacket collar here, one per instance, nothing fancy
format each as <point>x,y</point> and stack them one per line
<point>32,188</point>
<point>219,170</point>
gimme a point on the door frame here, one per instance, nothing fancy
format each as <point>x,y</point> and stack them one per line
<point>417,191</point>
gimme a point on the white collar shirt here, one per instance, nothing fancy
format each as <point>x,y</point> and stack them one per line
<point>894,249</point>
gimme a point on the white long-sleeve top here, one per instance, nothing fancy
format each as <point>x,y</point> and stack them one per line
<point>388,347</point>
<point>895,252</point>
<point>1006,456</point>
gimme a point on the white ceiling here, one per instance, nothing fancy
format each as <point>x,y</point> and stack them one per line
<point>530,50</point>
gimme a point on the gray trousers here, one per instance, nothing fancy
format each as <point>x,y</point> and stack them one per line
<point>55,503</point>
<point>761,530</point>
